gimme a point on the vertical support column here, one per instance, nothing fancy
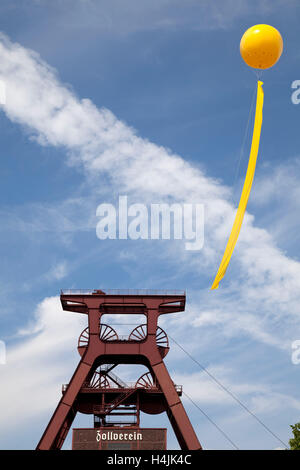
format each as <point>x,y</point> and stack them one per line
<point>138,409</point>
<point>94,317</point>
<point>177,415</point>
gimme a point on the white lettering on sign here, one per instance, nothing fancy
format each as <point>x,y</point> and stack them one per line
<point>118,436</point>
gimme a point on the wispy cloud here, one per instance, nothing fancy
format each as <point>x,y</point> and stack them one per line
<point>58,272</point>
<point>259,397</point>
<point>109,151</point>
<point>120,18</point>
<point>38,363</point>
<point>44,356</point>
<point>263,300</point>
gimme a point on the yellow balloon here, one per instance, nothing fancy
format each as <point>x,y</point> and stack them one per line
<point>261,46</point>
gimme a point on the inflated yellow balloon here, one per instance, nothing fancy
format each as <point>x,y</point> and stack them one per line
<point>261,46</point>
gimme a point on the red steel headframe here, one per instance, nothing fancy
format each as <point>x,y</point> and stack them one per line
<point>98,351</point>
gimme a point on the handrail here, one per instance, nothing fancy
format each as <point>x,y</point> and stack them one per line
<point>129,386</point>
<point>122,292</point>
<point>112,375</point>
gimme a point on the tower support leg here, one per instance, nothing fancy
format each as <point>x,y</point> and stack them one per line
<point>63,432</point>
<point>179,420</point>
<point>64,414</point>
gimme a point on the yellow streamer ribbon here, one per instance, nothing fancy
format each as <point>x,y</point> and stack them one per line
<point>246,188</point>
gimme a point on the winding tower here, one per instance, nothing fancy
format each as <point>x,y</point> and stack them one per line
<point>94,387</point>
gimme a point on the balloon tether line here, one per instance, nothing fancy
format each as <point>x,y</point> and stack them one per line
<point>241,154</point>
<point>246,188</point>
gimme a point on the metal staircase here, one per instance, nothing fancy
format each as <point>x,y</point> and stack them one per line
<point>107,370</point>
<point>107,408</point>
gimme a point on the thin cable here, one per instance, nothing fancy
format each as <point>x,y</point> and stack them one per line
<point>244,140</point>
<point>258,73</point>
<point>209,419</point>
<point>230,393</point>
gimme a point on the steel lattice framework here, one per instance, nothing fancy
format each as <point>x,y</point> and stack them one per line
<point>95,389</point>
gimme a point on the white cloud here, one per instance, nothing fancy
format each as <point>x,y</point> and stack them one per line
<point>58,272</point>
<point>265,291</point>
<point>277,195</point>
<point>258,397</point>
<point>106,149</point>
<point>45,356</point>
<point>37,364</point>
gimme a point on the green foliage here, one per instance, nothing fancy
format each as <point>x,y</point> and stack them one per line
<point>295,442</point>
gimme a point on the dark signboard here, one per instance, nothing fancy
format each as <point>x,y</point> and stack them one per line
<point>120,439</point>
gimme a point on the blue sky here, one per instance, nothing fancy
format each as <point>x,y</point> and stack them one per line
<point>149,100</point>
